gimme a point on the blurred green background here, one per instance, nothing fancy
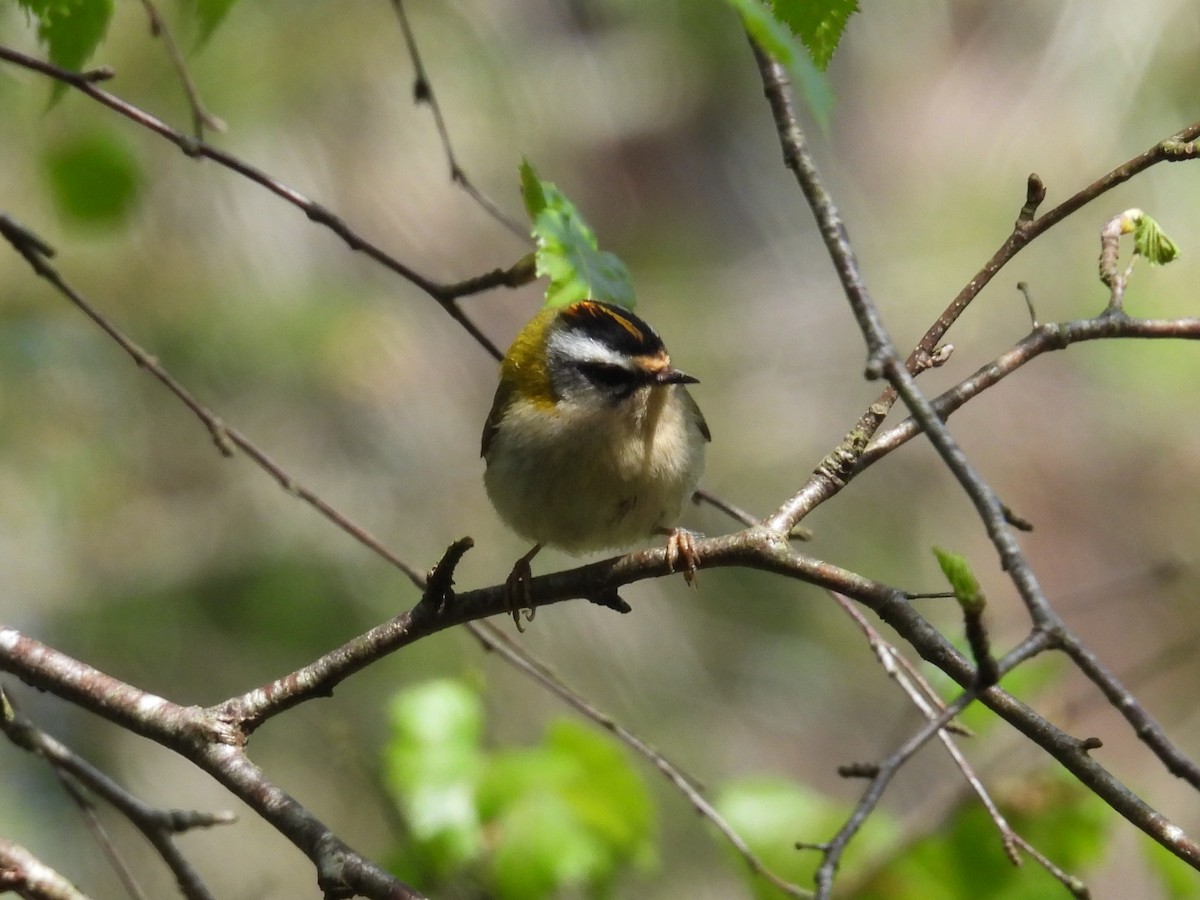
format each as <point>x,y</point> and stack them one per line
<point>127,541</point>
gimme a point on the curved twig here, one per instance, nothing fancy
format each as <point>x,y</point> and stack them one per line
<point>446,295</point>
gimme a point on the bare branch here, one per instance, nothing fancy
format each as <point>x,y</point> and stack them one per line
<point>496,641</point>
<point>445,295</point>
<point>423,93</point>
<point>31,879</point>
<point>930,705</point>
<point>224,436</point>
<point>1043,339</point>
<point>158,825</point>
<point>212,744</point>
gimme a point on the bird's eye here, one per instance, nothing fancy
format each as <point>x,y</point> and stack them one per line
<point>607,376</point>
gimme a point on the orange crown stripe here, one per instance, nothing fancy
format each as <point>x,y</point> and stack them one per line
<point>597,309</point>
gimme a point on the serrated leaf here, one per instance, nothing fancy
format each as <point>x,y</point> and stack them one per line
<point>93,179</point>
<point>818,23</point>
<point>531,190</point>
<point>567,251</point>
<point>71,30</point>
<point>774,36</point>
<point>1150,241</point>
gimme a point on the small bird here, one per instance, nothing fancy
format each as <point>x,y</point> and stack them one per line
<point>592,442</point>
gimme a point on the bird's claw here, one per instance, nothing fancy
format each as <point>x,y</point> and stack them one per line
<point>516,589</point>
<point>681,545</point>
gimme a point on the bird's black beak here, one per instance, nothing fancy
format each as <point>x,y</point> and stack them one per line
<point>674,376</point>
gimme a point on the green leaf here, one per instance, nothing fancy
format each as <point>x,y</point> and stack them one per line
<point>209,14</point>
<point>543,849</point>
<point>433,763</point>
<point>567,250</point>
<point>773,36</point>
<point>93,178</point>
<point>818,23</point>
<point>568,814</point>
<point>70,29</point>
<point>531,190</point>
<point>962,579</point>
<point>607,794</point>
<point>1150,241</point>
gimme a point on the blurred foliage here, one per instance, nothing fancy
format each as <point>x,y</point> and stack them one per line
<point>1065,822</point>
<point>127,541</point>
<point>772,814</point>
<point>209,14</point>
<point>93,178</point>
<point>1176,879</point>
<point>567,815</point>
<point>70,29</point>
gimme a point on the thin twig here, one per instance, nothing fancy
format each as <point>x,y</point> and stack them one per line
<point>445,295</point>
<point>840,466</point>
<point>34,250</point>
<point>201,117</point>
<point>84,804</point>
<point>896,665</point>
<point>423,93</point>
<point>496,641</point>
<point>213,744</point>
<point>159,826</point>
<point>884,360</point>
<point>1044,338</point>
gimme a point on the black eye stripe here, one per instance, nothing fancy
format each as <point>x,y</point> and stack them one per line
<point>607,374</point>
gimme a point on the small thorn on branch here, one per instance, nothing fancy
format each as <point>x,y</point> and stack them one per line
<point>216,428</point>
<point>858,770</point>
<point>100,73</point>
<point>1023,287</point>
<point>1016,521</point>
<point>1088,744</point>
<point>610,599</point>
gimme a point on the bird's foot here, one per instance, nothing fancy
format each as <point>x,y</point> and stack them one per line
<point>516,589</point>
<point>681,545</point>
